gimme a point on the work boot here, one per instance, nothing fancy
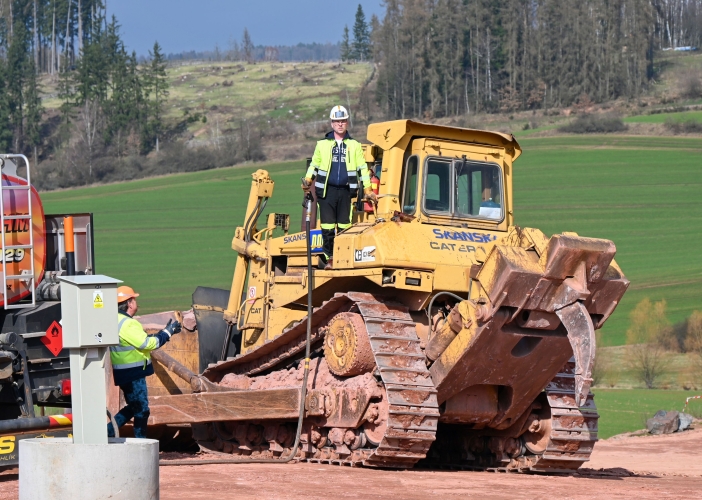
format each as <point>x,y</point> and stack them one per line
<point>330,264</point>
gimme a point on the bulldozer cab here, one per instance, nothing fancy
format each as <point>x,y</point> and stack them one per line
<point>443,175</point>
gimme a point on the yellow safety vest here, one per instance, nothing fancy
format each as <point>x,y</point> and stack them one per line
<point>135,346</point>
<point>321,163</point>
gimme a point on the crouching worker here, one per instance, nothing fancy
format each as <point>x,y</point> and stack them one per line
<point>131,361</point>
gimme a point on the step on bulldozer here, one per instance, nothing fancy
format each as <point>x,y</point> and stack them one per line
<point>444,335</point>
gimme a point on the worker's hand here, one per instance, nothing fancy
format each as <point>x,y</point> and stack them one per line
<point>306,184</point>
<point>172,327</point>
<point>371,196</point>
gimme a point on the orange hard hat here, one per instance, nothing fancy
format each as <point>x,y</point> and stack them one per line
<point>125,293</point>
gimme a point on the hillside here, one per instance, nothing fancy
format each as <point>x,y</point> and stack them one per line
<point>287,103</point>
<point>283,99</point>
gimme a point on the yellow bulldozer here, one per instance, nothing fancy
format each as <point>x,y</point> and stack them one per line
<point>444,335</point>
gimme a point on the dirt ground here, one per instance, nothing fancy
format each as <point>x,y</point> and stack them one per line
<point>625,467</point>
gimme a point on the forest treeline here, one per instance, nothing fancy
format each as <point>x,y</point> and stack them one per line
<point>450,57</point>
<point>284,53</point>
<point>432,58</point>
<point>111,103</point>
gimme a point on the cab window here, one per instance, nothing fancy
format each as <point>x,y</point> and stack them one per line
<point>437,192</point>
<point>409,199</point>
<point>478,190</point>
<point>462,188</point>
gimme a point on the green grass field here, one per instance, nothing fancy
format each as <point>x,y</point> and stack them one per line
<point>680,370</point>
<point>641,192</point>
<point>682,116</point>
<point>167,235</point>
<point>626,410</point>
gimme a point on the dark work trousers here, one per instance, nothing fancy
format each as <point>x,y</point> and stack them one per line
<point>334,211</point>
<point>137,407</point>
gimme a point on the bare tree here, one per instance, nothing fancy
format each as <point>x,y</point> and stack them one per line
<point>65,40</point>
<point>647,357</point>
<point>693,344</point>
<point>648,362</point>
<point>90,124</point>
<point>52,69</point>
<point>80,26</point>
<point>233,53</point>
<point>35,37</point>
<point>693,339</point>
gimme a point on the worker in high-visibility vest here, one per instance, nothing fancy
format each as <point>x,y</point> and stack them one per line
<point>375,186</point>
<point>336,172</point>
<point>131,361</point>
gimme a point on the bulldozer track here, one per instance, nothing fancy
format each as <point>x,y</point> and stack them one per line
<point>412,403</point>
<point>289,343</point>
<point>573,429</point>
<point>571,439</point>
<point>413,412</point>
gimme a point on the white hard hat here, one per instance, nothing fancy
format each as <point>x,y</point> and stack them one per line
<point>338,113</point>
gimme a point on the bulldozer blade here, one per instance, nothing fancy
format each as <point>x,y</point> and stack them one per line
<point>272,404</point>
<point>581,334</point>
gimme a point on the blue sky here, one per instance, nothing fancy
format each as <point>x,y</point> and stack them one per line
<point>180,25</point>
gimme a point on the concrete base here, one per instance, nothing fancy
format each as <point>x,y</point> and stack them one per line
<point>56,468</point>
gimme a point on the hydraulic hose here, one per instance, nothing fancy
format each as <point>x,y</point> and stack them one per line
<point>251,218</point>
<point>431,304</point>
<point>227,340</point>
<point>303,391</point>
<point>36,423</point>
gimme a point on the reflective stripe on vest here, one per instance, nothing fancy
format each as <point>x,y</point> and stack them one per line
<point>126,354</point>
<point>136,364</point>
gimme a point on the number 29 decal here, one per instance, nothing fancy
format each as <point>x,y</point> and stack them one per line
<point>14,255</point>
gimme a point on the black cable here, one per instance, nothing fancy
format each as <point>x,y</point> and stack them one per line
<point>431,304</point>
<point>227,340</point>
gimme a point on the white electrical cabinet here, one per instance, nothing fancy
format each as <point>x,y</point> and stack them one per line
<point>89,311</point>
<point>89,320</point>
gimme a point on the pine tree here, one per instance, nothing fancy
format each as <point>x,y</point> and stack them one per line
<point>66,94</point>
<point>361,36</point>
<point>247,46</point>
<point>156,86</point>
<point>345,51</point>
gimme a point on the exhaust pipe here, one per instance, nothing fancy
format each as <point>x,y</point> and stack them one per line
<point>69,241</point>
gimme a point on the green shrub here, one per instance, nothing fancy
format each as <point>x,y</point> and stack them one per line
<point>687,127</point>
<point>594,124</point>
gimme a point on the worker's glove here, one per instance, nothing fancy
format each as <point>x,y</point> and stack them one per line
<point>306,185</point>
<point>172,328</point>
<point>371,196</point>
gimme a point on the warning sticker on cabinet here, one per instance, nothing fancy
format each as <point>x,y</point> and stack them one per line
<point>98,300</point>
